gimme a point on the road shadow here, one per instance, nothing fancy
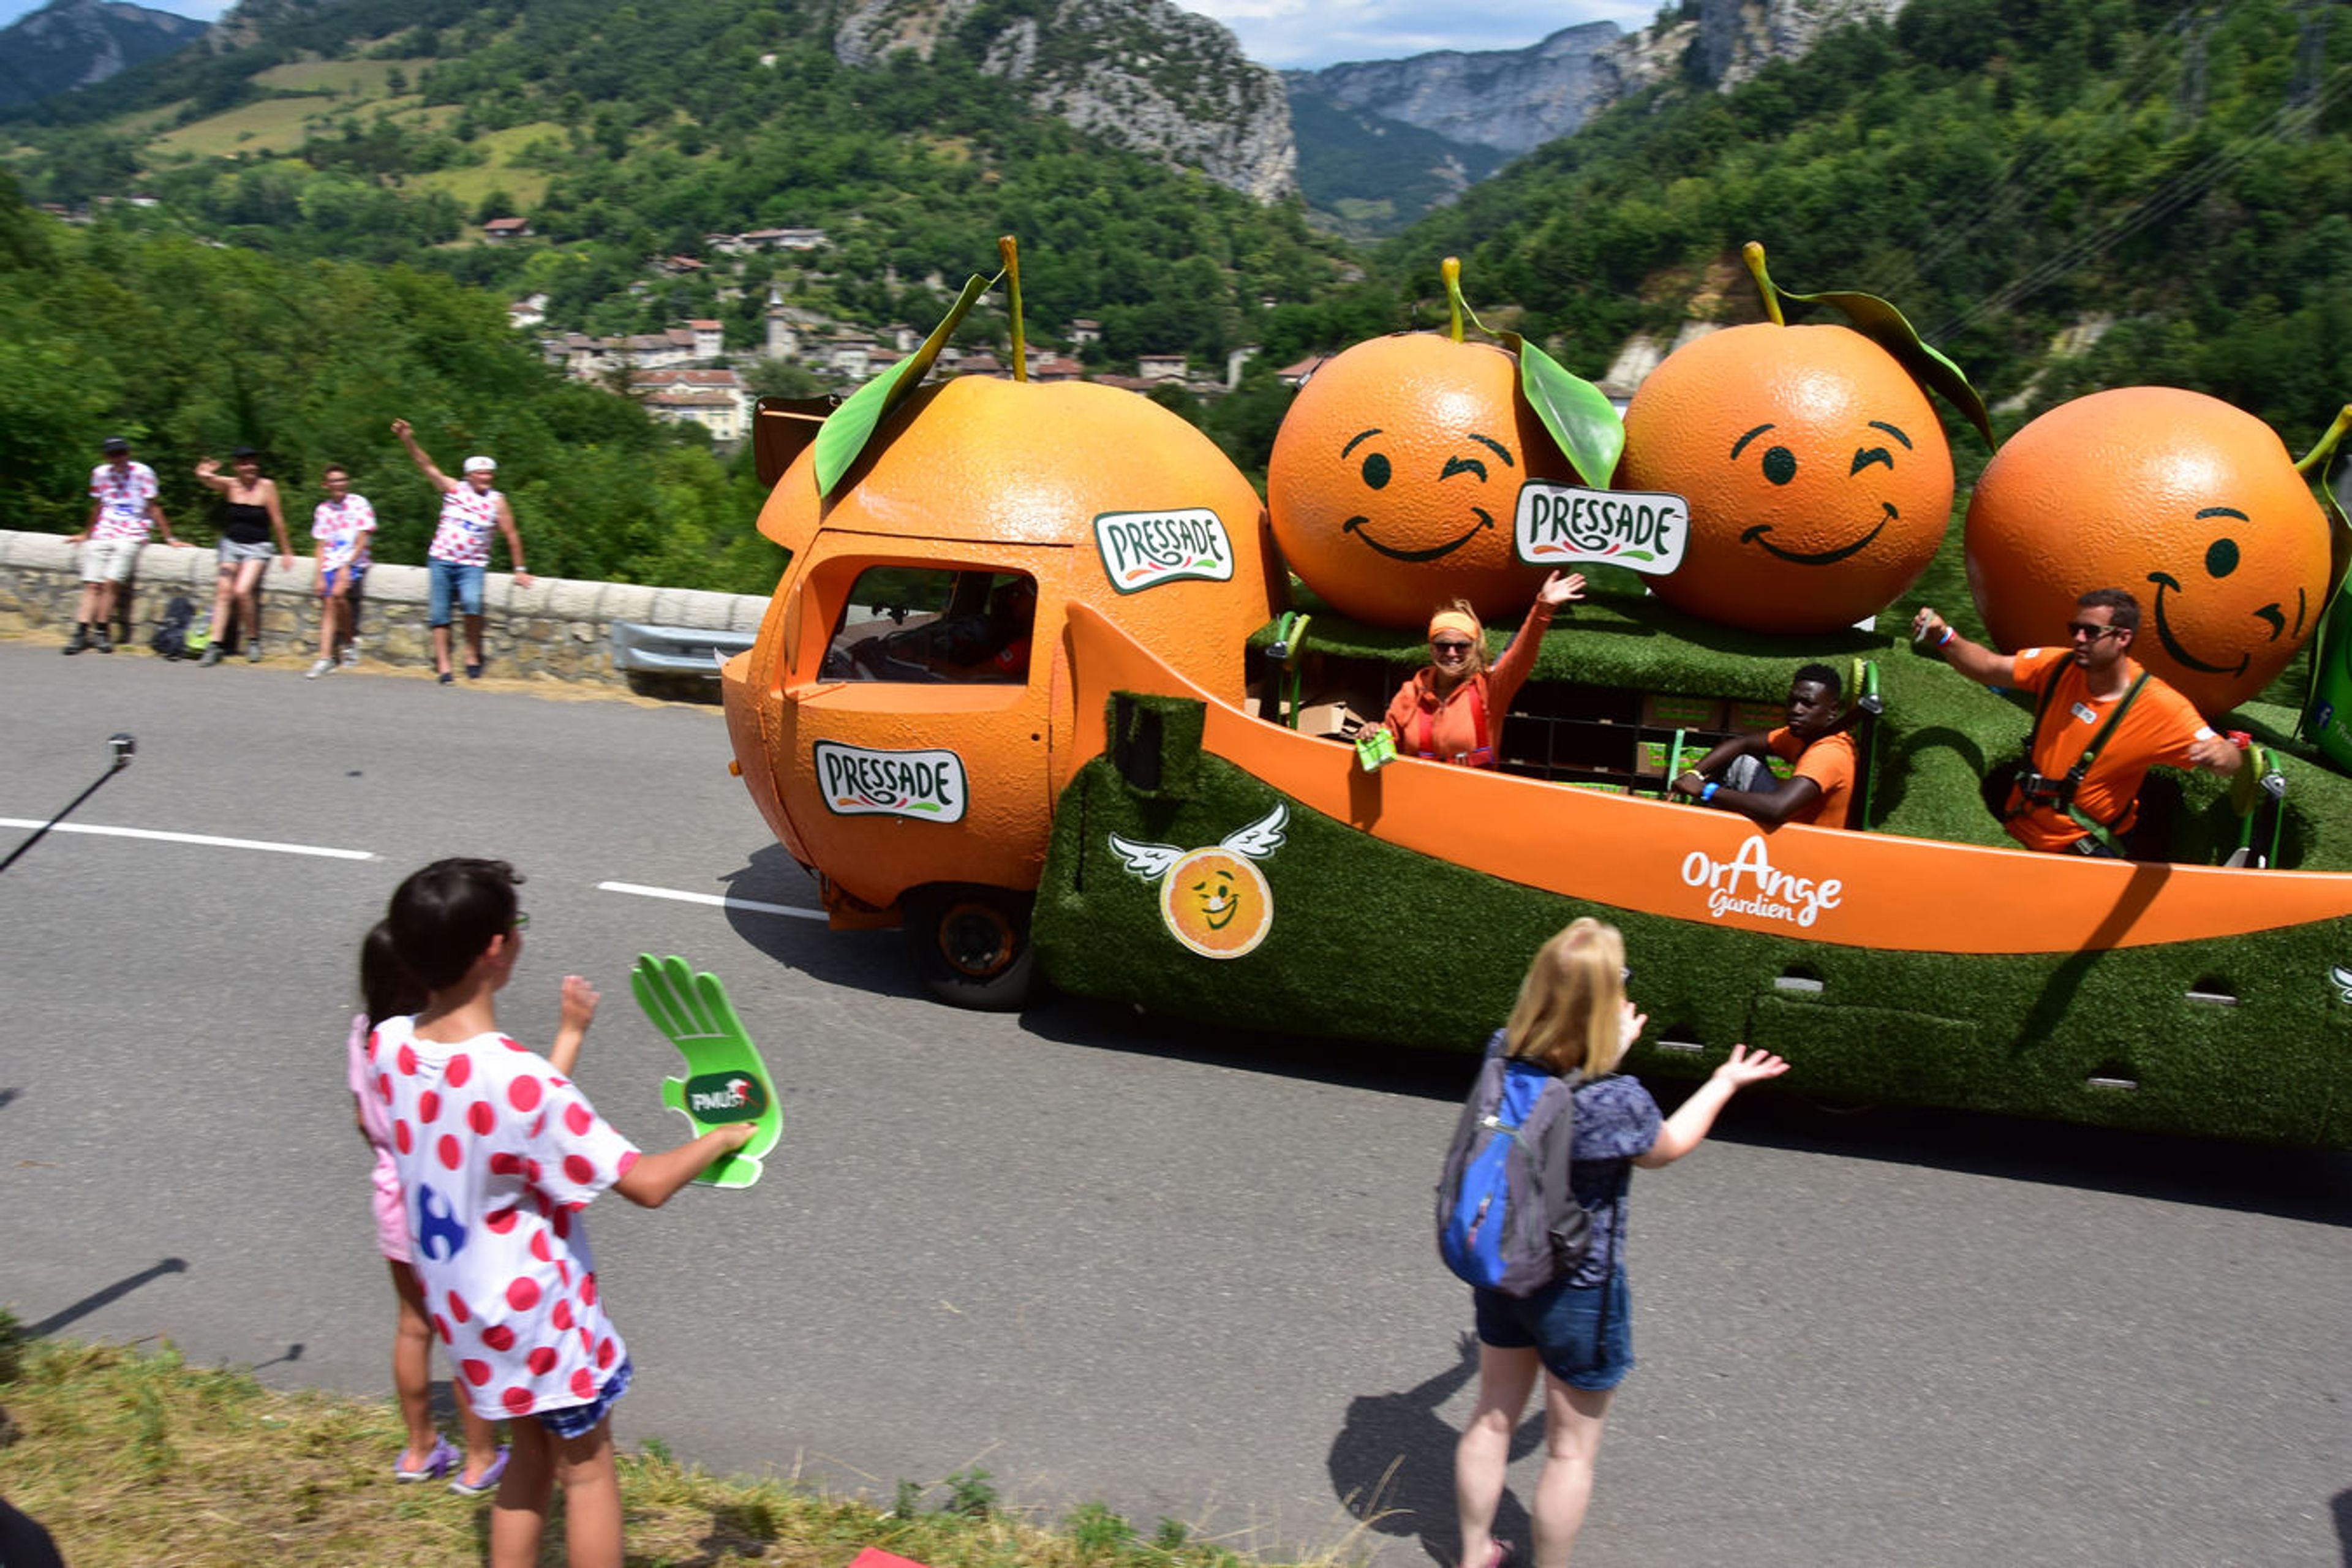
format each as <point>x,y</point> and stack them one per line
<point>8,1097</point>
<point>1351,1064</point>
<point>1391,1463</point>
<point>2313,1185</point>
<point>67,1316</point>
<point>869,961</point>
<point>2343,1507</point>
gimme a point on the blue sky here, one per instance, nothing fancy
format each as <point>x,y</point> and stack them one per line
<point>1301,33</point>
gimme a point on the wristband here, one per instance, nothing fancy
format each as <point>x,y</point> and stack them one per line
<point>1946,640</point>
<point>1708,793</point>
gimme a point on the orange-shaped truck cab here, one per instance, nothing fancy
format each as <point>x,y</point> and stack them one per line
<point>904,720</point>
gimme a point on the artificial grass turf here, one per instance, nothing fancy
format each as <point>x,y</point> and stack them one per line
<point>1370,939</point>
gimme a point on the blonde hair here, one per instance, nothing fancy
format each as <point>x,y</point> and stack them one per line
<point>1571,1004</point>
<point>1477,660</point>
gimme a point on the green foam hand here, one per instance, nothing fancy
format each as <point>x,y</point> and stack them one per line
<point>726,1081</point>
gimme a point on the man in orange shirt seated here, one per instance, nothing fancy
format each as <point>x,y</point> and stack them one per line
<point>2101,722</point>
<point>1734,776</point>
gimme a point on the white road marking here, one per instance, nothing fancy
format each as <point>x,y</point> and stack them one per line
<point>194,839</point>
<point>718,899</point>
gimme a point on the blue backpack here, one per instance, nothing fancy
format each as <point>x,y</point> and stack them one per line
<point>1507,1219</point>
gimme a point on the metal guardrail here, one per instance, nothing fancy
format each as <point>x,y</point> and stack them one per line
<point>674,651</point>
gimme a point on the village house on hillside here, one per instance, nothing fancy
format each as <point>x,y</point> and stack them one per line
<point>507,228</point>
<point>1159,367</point>
<point>714,399</point>
<point>584,358</point>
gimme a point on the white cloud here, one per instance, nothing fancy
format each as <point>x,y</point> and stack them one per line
<point>1305,34</point>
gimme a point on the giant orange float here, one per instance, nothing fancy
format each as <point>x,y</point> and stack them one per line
<point>1117,799</point>
<point>2191,504</point>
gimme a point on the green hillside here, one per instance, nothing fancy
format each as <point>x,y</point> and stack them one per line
<point>379,131</point>
<point>2172,187</point>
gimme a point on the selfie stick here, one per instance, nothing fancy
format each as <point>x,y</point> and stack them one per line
<point>123,746</point>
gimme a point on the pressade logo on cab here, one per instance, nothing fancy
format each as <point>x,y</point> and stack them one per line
<point>1749,884</point>
<point>926,786</point>
<point>1144,548</point>
<point>1561,525</point>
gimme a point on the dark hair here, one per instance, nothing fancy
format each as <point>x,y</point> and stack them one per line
<point>2126,608</point>
<point>443,918</point>
<point>387,990</point>
<point>334,469</point>
<point>1820,675</point>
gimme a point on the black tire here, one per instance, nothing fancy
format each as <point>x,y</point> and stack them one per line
<point>970,945</point>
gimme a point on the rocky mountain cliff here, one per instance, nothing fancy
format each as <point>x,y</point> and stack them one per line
<point>1161,80</point>
<point>78,43</point>
<point>1516,99</point>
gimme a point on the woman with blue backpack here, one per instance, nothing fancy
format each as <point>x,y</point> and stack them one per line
<point>1531,1212</point>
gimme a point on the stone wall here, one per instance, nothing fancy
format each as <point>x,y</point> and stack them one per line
<point>554,630</point>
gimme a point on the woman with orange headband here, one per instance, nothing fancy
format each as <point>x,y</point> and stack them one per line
<point>1453,711</point>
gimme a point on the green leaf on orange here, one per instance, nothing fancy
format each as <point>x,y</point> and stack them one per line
<point>1885,325</point>
<point>844,436</point>
<point>1581,420</point>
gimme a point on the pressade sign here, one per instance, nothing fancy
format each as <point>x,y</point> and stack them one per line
<point>1561,525</point>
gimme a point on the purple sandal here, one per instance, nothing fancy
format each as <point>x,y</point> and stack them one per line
<point>437,1464</point>
<point>489,1481</point>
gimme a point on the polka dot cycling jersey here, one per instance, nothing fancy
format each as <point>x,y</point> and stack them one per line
<point>341,529</point>
<point>468,515</point>
<point>122,498</point>
<point>497,1156</point>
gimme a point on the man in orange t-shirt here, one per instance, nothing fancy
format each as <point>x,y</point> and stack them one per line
<point>2076,696</point>
<point>1820,790</point>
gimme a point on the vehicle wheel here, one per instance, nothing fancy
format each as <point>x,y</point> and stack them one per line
<point>971,946</point>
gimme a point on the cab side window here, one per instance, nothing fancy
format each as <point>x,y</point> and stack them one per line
<point>923,624</point>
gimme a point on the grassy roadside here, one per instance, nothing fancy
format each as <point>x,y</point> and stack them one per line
<point>136,1457</point>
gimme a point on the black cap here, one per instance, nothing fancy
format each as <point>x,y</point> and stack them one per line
<point>242,453</point>
<point>114,444</point>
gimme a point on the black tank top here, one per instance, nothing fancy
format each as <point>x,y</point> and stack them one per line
<point>244,522</point>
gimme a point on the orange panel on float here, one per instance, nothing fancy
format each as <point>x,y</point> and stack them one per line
<point>1855,889</point>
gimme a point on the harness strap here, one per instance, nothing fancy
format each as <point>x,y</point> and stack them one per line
<point>2063,800</point>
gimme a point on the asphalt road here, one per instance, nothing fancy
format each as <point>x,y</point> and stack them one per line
<point>1183,1271</point>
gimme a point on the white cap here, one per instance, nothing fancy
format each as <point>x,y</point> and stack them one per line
<point>481,465</point>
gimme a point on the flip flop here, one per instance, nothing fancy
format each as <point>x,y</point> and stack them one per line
<point>489,1481</point>
<point>437,1464</point>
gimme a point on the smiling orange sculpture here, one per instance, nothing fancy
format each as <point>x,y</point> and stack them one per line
<point>1395,474</point>
<point>2191,504</point>
<point>1818,476</point>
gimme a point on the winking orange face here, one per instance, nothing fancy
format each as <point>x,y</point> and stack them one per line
<point>1395,476</point>
<point>1818,476</point>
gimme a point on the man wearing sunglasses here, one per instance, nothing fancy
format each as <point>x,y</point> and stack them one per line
<point>2101,722</point>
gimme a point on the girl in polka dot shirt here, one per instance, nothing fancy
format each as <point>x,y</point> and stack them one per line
<point>497,1153</point>
<point>390,991</point>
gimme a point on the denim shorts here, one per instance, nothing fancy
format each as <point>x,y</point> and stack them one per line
<point>579,1420</point>
<point>1583,1333</point>
<point>327,578</point>
<point>445,578</point>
